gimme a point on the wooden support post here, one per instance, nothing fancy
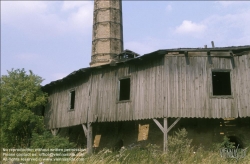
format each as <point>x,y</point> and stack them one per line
<point>165,130</point>
<point>54,131</point>
<point>89,139</point>
<point>165,136</point>
<point>159,125</point>
<point>88,134</point>
<point>175,122</point>
<point>85,130</point>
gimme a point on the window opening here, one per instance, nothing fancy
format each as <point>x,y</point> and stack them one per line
<point>72,100</point>
<point>221,83</point>
<point>124,89</point>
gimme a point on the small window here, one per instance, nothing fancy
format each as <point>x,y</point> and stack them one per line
<point>221,83</point>
<point>72,100</point>
<point>124,89</point>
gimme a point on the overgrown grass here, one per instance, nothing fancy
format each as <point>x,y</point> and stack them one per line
<point>180,151</point>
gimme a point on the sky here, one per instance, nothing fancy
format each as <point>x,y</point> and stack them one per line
<point>53,38</point>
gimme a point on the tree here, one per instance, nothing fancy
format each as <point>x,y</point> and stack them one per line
<point>21,96</point>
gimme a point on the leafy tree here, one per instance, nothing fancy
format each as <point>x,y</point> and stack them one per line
<point>21,97</point>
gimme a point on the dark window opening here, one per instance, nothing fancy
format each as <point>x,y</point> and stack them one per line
<point>72,100</point>
<point>124,89</point>
<point>221,83</point>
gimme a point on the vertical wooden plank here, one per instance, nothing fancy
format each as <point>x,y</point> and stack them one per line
<point>192,88</point>
<point>183,87</point>
<point>177,85</point>
<point>205,90</point>
<point>89,139</point>
<point>234,109</point>
<point>237,86</point>
<point>188,88</point>
<point>165,135</point>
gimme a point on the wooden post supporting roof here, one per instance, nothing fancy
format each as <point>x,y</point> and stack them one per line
<point>165,131</point>
<point>88,134</point>
<point>54,131</point>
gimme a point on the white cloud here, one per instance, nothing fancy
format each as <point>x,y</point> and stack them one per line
<point>169,8</point>
<point>229,3</point>
<point>224,28</point>
<point>13,11</point>
<point>43,18</point>
<point>70,5</point>
<point>189,27</point>
<point>83,17</point>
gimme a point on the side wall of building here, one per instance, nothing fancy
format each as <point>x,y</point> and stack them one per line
<point>166,86</point>
<point>57,111</point>
<point>189,87</point>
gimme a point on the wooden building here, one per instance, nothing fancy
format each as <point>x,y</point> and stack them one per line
<point>176,83</point>
<point>123,86</point>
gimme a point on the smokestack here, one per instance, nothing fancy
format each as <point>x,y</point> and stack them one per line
<point>107,39</point>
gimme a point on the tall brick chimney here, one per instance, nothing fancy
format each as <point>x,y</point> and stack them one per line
<point>107,31</point>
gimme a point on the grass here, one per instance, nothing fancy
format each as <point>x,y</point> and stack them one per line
<point>180,151</point>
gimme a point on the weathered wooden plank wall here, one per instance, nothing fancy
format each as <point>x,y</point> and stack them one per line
<point>189,90</point>
<point>242,80</point>
<point>57,113</point>
<point>147,89</point>
<point>163,87</point>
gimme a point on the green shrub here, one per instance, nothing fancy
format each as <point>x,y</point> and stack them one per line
<point>227,144</point>
<point>47,140</point>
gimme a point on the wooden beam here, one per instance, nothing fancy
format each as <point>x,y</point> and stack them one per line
<point>165,130</point>
<point>175,122</point>
<point>85,130</point>
<point>158,124</point>
<point>88,133</point>
<point>165,135</point>
<point>54,131</point>
<point>89,139</point>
